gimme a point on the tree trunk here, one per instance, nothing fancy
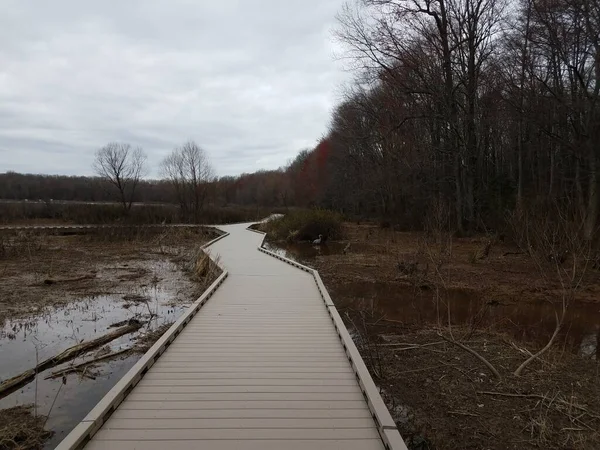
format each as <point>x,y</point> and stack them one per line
<point>458,182</point>
<point>520,170</point>
<point>124,202</point>
<point>520,128</point>
<point>451,111</point>
<point>551,181</point>
<point>592,205</point>
<point>579,188</point>
<point>471,128</point>
<point>470,193</point>
<point>121,187</point>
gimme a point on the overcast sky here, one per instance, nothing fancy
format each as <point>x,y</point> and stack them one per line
<point>251,81</point>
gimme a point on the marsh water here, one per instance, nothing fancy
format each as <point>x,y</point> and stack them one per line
<point>26,341</point>
<point>525,321</point>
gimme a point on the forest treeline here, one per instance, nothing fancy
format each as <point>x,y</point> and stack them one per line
<point>469,111</point>
<point>463,113</point>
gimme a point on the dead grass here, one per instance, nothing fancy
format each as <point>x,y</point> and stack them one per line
<point>41,271</point>
<point>388,290</point>
<point>505,274</point>
<point>445,398</point>
<point>34,213</point>
<point>205,270</point>
<point>21,430</point>
<point>122,266</point>
<point>304,225</point>
<point>202,266</point>
<point>145,341</point>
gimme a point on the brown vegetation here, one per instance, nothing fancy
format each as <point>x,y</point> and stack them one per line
<point>118,288</point>
<point>52,213</point>
<point>304,225</point>
<point>444,333</point>
<point>41,270</point>
<point>144,342</point>
<point>507,275</point>
<point>444,398</point>
<point>22,430</point>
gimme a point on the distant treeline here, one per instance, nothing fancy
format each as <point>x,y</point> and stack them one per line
<point>111,213</point>
<point>230,199</point>
<point>18,186</point>
<point>267,188</point>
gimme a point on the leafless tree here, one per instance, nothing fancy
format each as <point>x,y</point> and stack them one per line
<point>123,166</point>
<point>190,172</point>
<point>427,57</point>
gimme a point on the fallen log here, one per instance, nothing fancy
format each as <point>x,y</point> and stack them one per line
<point>85,364</point>
<point>14,383</point>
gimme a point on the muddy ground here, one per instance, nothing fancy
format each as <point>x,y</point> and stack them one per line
<point>40,270</point>
<point>59,290</point>
<point>395,293</point>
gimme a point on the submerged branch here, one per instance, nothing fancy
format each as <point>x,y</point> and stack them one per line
<point>14,383</point>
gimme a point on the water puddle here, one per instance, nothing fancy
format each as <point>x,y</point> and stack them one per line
<point>304,252</point>
<point>525,321</point>
<point>24,342</point>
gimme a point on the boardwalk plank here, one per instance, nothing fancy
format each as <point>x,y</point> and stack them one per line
<point>256,404</point>
<point>260,367</point>
<point>244,396</point>
<point>174,434</point>
<point>300,444</point>
<point>121,423</point>
<point>359,413</point>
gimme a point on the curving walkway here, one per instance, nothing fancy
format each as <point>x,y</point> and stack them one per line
<point>264,364</point>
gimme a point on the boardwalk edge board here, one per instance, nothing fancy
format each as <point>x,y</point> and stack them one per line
<point>97,417</point>
<point>385,424</point>
<point>94,420</point>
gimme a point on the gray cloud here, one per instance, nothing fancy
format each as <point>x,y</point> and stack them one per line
<point>251,81</point>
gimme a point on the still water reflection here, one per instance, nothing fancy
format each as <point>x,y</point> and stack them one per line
<point>25,341</point>
<point>525,321</point>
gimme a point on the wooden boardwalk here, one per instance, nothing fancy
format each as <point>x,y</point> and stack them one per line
<point>261,361</point>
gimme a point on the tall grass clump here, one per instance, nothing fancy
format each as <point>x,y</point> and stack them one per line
<point>304,225</point>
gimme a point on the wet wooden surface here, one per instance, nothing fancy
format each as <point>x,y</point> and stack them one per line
<point>260,366</point>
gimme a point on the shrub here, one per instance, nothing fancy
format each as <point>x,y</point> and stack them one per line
<point>303,225</point>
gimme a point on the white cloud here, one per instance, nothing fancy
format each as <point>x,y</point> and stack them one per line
<point>251,81</point>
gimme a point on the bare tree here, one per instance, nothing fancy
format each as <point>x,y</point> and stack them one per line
<point>190,172</point>
<point>123,166</point>
<point>428,57</point>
